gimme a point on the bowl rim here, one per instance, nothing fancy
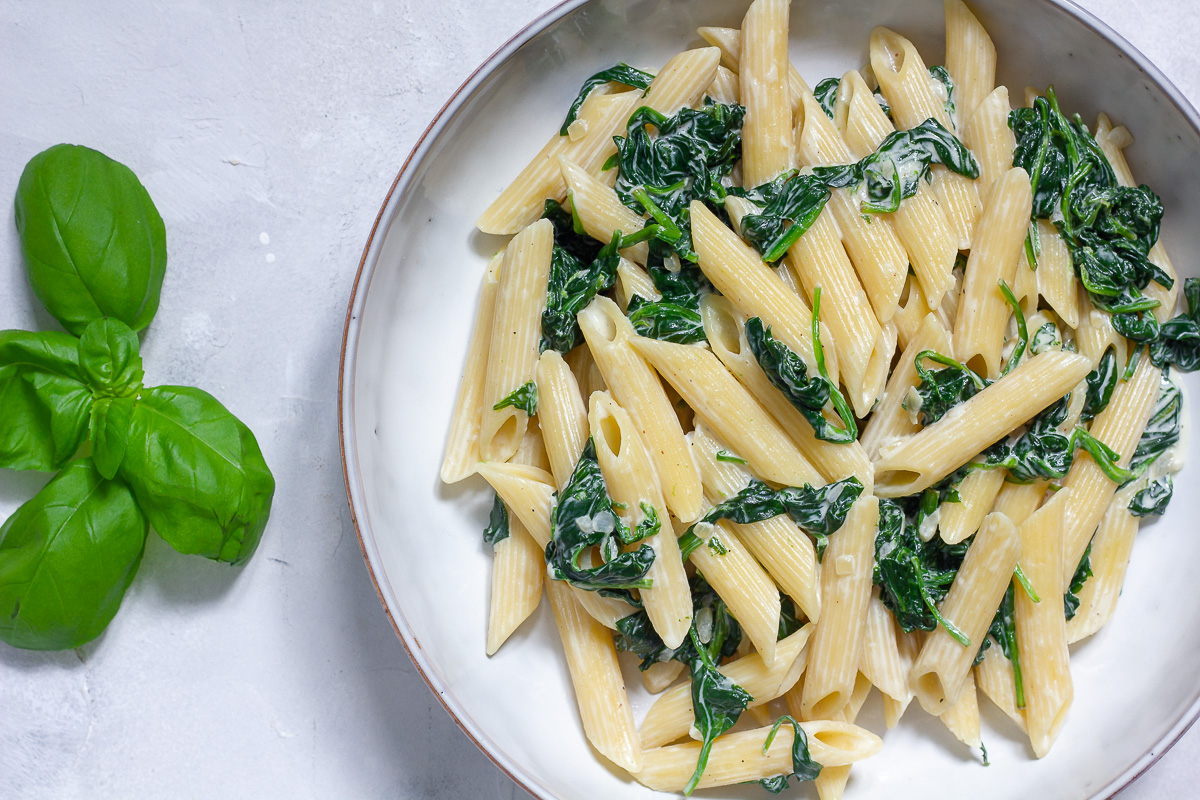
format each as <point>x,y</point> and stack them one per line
<point>348,362</point>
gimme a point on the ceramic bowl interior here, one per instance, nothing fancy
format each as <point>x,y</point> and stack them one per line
<point>1137,682</point>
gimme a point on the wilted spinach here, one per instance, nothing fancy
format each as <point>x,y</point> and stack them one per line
<point>936,392</point>
<point>1153,500</point>
<point>497,529</point>
<point>804,766</point>
<point>583,518</point>
<point>1100,384</point>
<point>1162,430</point>
<point>1178,340</point>
<point>942,77</point>
<point>675,317</point>
<point>1003,631</point>
<point>789,205</point>
<point>1082,572</point>
<point>524,397</point>
<point>789,374</point>
<point>903,159</point>
<point>619,73</point>
<point>914,576</point>
<point>717,702</point>
<point>94,243</point>
<point>818,511</point>
<point>1108,228</point>
<point>579,269</point>
<point>826,94</point>
<point>689,159</point>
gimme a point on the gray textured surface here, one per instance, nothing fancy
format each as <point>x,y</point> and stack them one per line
<point>268,136</point>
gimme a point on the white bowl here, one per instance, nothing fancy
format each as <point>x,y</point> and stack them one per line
<point>1136,683</point>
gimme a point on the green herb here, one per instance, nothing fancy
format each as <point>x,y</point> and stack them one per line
<point>676,316</point>
<point>524,397</point>
<point>46,400</point>
<point>66,558</point>
<point>1019,574</point>
<point>716,546</point>
<point>1100,384</point>
<point>583,518</point>
<point>915,576</point>
<point>649,525</point>
<point>620,73</point>
<point>1178,341</point>
<point>895,170</point>
<point>942,76</point>
<point>1082,573</point>
<point>804,767</point>
<point>497,528</point>
<point>717,702</point>
<point>725,455</point>
<point>1153,500</point>
<point>938,392</point>
<point>789,620</point>
<point>826,94</point>
<point>93,241</point>
<point>1108,228</point>
<point>789,205</point>
<point>688,544</point>
<point>789,374</point>
<point>636,634</point>
<point>197,473</point>
<point>689,158</point>
<point>579,270</point>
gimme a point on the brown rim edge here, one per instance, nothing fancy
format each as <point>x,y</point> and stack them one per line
<point>1080,14</point>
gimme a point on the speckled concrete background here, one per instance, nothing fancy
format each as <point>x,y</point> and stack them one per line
<point>268,134</point>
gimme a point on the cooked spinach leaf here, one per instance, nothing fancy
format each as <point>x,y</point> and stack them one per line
<point>1178,340</point>
<point>524,397</point>
<point>717,702</point>
<point>1108,228</point>
<point>789,374</point>
<point>619,73</point>
<point>826,94</point>
<point>1082,572</point>
<point>789,619</point>
<point>675,317</point>
<point>1153,500</point>
<point>1100,384</point>
<point>1042,452</point>
<point>579,269</point>
<point>904,158</point>
<point>804,767</point>
<point>1163,429</point>
<point>583,518</point>
<point>1046,338</point>
<point>688,159</point>
<point>942,77</point>
<point>914,576</point>
<point>1003,631</point>
<point>818,511</point>
<point>497,528</point>
<point>710,615</point>
<point>789,205</point>
<point>939,391</point>
<point>1022,329</point>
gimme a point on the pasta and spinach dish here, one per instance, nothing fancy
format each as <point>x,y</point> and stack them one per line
<point>798,392</point>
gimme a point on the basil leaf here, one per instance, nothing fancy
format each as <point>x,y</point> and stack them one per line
<point>44,398</point>
<point>66,558</point>
<point>111,421</point>
<point>108,355</point>
<point>93,241</point>
<point>198,474</point>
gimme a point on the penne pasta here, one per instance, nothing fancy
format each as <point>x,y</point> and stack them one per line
<point>970,59</point>
<point>600,210</point>
<point>767,150</point>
